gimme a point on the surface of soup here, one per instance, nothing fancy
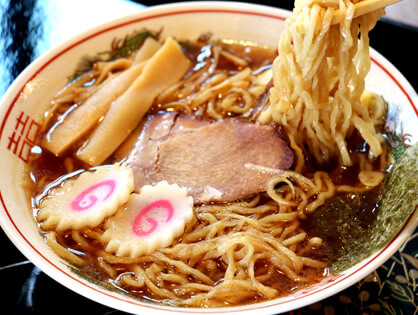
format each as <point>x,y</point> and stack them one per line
<point>259,246</point>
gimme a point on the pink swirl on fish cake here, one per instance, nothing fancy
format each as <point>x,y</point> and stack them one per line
<point>90,196</point>
<point>162,204</point>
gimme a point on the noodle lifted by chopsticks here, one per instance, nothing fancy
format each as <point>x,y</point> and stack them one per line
<point>319,79</point>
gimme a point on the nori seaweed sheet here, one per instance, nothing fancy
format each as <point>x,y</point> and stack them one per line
<point>399,200</point>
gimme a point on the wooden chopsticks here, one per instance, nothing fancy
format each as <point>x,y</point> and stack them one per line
<point>363,7</point>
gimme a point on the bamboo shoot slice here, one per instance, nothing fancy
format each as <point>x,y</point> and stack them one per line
<point>129,144</point>
<point>148,49</point>
<point>82,120</point>
<point>164,69</point>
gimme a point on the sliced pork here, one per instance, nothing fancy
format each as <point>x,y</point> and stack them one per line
<point>207,158</point>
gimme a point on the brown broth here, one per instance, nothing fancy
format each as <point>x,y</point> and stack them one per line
<point>358,210</point>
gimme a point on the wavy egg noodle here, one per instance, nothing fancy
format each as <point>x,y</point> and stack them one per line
<point>256,247</point>
<point>319,78</point>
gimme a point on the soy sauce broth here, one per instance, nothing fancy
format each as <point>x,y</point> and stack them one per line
<point>349,215</point>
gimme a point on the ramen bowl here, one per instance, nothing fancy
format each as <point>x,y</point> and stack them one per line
<point>23,106</point>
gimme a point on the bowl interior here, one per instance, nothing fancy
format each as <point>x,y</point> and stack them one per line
<point>22,108</point>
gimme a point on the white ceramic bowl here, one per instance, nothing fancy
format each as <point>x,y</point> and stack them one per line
<point>29,95</point>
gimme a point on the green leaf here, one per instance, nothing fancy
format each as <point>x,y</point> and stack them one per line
<point>400,292</point>
<point>388,309</point>
<point>412,260</point>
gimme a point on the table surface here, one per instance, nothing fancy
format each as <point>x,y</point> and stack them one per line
<point>29,28</point>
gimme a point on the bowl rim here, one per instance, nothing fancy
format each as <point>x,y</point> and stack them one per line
<point>88,289</point>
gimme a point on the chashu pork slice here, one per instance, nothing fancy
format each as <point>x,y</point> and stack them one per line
<point>207,158</point>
